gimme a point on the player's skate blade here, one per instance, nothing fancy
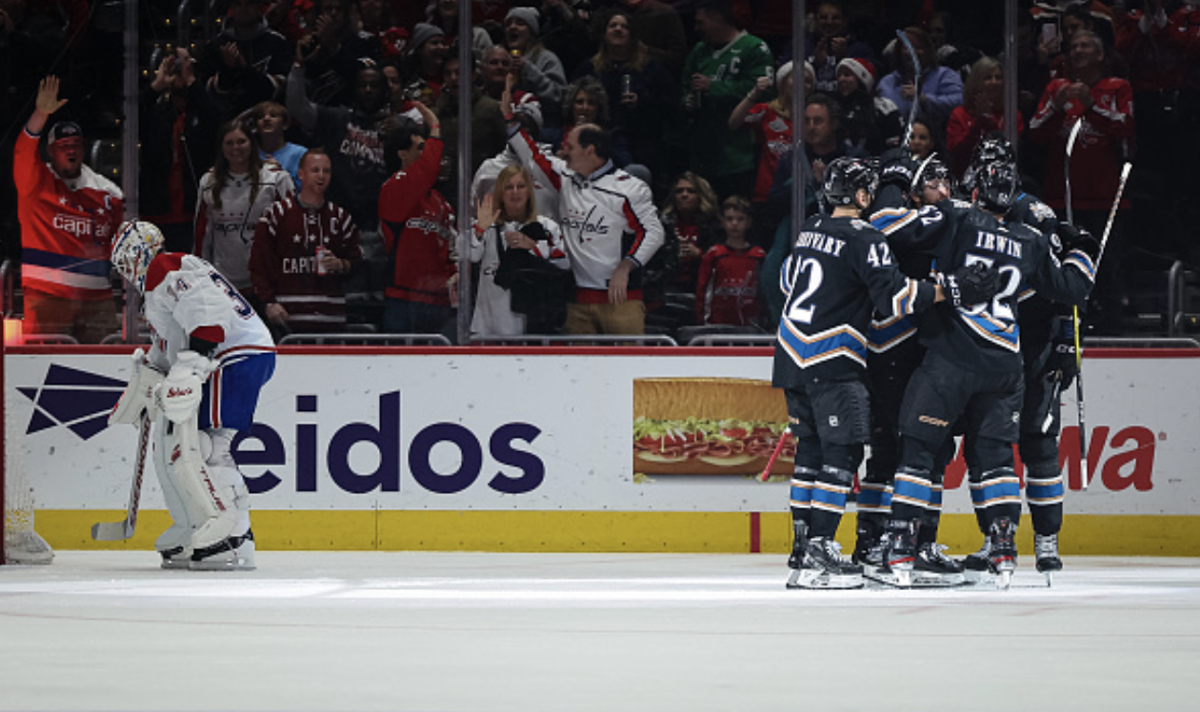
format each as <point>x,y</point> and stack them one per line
<point>817,579</point>
<point>234,554</point>
<point>889,577</point>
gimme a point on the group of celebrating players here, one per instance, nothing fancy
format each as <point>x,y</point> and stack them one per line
<point>917,312</point>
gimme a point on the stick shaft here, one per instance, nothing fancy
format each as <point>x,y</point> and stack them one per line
<point>766,473</point>
<point>116,531</point>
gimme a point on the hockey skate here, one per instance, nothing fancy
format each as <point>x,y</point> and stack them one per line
<point>1002,540</point>
<point>933,569</point>
<point>824,567</point>
<point>1045,547</point>
<point>796,558</point>
<point>235,553</point>
<point>977,567</point>
<point>895,567</point>
<point>174,546</point>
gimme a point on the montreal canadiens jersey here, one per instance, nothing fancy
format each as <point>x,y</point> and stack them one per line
<point>986,337</point>
<point>187,296</point>
<point>840,270</point>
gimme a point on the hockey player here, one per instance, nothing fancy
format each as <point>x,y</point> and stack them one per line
<point>216,355</point>
<point>1048,353</point>
<point>972,368</point>
<point>839,271</point>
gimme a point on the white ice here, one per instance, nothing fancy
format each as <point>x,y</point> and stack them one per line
<point>563,632</point>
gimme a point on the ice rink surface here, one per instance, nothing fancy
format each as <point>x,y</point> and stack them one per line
<point>449,632</point>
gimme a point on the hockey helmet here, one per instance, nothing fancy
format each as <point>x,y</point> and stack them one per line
<point>996,186</point>
<point>135,246</point>
<point>933,169</point>
<point>845,176</point>
<point>994,149</point>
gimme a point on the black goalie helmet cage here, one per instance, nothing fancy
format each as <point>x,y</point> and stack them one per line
<point>997,185</point>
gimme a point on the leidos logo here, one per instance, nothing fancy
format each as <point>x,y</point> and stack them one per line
<point>78,400</point>
<point>507,446</point>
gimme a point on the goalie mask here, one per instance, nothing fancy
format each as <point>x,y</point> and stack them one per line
<point>989,151</point>
<point>135,246</point>
<point>845,177</point>
<point>996,186</point>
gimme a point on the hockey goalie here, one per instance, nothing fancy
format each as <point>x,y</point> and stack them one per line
<point>210,357</point>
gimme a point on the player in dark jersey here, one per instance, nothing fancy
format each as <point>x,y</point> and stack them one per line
<point>839,271</point>
<point>1048,352</point>
<point>973,367</point>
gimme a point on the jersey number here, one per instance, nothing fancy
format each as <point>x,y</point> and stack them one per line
<point>800,310</point>
<point>1011,278</point>
<point>240,306</point>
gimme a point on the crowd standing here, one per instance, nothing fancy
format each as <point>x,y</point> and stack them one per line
<point>700,88</point>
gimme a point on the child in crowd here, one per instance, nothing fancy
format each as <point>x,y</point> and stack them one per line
<point>727,288</point>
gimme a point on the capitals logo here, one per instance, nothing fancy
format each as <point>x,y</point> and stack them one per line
<point>78,400</point>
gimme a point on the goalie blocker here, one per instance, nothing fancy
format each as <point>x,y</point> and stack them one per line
<point>217,355</point>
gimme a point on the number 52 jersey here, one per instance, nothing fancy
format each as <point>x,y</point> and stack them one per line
<point>840,271</point>
<point>186,296</point>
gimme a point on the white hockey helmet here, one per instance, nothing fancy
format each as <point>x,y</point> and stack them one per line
<point>136,244</point>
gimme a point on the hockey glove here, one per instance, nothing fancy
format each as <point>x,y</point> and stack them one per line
<point>897,167</point>
<point>182,390</point>
<point>972,284</point>
<point>1077,238</point>
<point>139,393</point>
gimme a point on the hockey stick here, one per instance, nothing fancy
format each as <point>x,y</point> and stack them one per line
<point>1112,216</point>
<point>912,112</point>
<point>1071,138</point>
<point>766,473</point>
<point>116,531</point>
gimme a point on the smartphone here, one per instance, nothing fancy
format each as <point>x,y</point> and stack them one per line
<point>1050,35</point>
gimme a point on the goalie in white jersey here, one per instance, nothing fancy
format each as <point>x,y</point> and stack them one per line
<point>210,357</point>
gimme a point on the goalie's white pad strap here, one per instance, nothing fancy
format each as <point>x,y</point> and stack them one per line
<point>139,394</point>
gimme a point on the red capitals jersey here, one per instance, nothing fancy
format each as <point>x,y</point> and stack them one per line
<point>774,135</point>
<point>66,226</point>
<point>284,262</point>
<point>418,231</point>
<point>727,289</point>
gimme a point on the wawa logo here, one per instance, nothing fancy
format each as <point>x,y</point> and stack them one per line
<point>77,400</point>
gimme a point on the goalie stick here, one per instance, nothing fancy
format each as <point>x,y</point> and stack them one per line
<point>116,531</point>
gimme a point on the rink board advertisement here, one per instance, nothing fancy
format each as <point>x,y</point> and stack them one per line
<point>516,441</point>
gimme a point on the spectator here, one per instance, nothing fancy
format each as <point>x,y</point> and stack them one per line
<point>529,114</point>
<point>586,102</point>
<point>610,226</point>
<point>660,28</point>
<point>956,56</point>
<point>871,124</point>
<point>304,249</point>
<point>922,141</point>
<point>443,14</point>
<point>351,136</point>
<point>938,90</point>
<point>641,92</point>
<point>487,127</point>
<point>422,68</point>
<point>718,72</point>
<point>1104,104</point>
<point>727,288</point>
<point>772,126</point>
<point>178,131</point>
<point>982,112</point>
<point>822,144</point>
<point>505,221</point>
<point>68,214</point>
<point>271,123</point>
<point>830,43</point>
<point>418,231</point>
<point>247,62</point>
<point>234,194</point>
<point>495,67</point>
<point>538,70</point>
<point>565,29</point>
<point>692,214</point>
<point>333,52</point>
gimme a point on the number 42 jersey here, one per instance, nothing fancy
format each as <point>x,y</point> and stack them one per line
<point>840,271</point>
<point>186,296</point>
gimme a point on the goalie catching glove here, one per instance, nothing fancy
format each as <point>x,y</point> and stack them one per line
<point>180,394</point>
<point>972,284</point>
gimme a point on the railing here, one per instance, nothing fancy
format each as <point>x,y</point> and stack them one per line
<point>365,340</point>
<point>574,340</point>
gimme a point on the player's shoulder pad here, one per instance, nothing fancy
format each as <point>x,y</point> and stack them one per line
<point>163,264</point>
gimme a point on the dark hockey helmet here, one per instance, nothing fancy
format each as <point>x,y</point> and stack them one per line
<point>993,149</point>
<point>845,176</point>
<point>931,170</point>
<point>996,186</point>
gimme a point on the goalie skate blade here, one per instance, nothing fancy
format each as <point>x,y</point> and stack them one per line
<point>111,531</point>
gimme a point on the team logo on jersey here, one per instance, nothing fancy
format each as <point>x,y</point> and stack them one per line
<point>77,400</point>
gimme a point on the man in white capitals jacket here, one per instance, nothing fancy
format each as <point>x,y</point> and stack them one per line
<point>610,227</point>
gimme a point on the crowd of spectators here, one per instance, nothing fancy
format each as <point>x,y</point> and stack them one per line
<point>689,99</point>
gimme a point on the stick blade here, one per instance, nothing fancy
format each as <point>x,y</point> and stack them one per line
<point>111,531</point>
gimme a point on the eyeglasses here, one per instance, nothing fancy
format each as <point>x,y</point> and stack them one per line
<point>684,191</point>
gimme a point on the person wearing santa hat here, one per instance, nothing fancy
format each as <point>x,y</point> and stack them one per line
<point>871,124</point>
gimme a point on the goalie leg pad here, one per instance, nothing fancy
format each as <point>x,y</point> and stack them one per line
<point>175,544</point>
<point>235,552</point>
<point>210,508</point>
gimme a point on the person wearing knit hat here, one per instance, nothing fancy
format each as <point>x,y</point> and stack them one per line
<point>861,69</point>
<point>539,71</point>
<point>528,15</point>
<point>422,32</point>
